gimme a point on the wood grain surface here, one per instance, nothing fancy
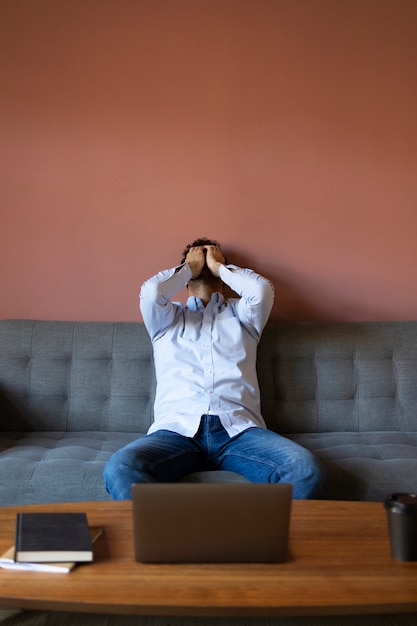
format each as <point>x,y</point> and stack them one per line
<point>339,563</point>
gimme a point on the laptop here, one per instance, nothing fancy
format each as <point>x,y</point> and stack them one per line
<point>211,522</point>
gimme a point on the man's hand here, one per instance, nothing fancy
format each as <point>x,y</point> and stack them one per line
<point>199,255</point>
<point>214,259</point>
<point>196,259</point>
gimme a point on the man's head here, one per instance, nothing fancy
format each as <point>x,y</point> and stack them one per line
<point>205,276</point>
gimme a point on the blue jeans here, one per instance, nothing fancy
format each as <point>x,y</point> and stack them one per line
<point>260,455</point>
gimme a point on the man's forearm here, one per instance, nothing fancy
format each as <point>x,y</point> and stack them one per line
<point>253,287</point>
<point>165,284</point>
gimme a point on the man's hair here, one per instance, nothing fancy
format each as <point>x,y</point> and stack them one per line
<point>203,241</point>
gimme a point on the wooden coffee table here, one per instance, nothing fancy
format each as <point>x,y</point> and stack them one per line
<point>339,564</point>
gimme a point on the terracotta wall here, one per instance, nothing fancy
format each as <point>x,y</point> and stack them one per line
<point>287,129</point>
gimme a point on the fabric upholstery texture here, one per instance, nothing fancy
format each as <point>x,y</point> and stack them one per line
<point>71,393</point>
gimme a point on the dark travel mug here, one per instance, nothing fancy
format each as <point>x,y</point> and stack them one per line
<point>402,525</point>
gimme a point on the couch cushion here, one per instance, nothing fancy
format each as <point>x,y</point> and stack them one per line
<point>327,377</point>
<point>56,466</point>
<point>364,466</point>
<point>75,376</point>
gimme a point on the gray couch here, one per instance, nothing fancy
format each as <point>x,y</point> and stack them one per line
<point>71,393</point>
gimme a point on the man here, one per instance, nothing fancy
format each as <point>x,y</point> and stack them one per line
<point>207,405</point>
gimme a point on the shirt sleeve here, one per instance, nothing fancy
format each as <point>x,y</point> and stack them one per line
<point>256,296</point>
<point>158,311</point>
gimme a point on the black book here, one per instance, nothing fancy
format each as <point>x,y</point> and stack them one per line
<point>52,538</point>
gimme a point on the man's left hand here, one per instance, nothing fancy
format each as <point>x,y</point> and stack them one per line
<point>214,259</point>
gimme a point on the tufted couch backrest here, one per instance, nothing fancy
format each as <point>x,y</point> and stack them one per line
<point>347,376</point>
<point>76,376</point>
<point>318,377</point>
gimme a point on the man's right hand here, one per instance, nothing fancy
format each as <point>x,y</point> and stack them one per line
<point>196,259</point>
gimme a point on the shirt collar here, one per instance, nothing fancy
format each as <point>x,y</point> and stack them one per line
<point>195,304</point>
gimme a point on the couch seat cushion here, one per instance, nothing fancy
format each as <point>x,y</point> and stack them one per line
<point>56,466</point>
<point>364,465</point>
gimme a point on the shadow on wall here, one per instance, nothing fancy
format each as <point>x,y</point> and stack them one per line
<point>299,300</point>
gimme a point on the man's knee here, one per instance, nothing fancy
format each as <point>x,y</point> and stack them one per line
<point>317,477</point>
<point>309,477</point>
<point>110,474</point>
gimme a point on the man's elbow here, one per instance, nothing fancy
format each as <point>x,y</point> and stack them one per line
<point>151,292</point>
<point>266,290</point>
<point>263,294</point>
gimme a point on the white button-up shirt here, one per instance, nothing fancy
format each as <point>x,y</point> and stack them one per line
<point>205,356</point>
